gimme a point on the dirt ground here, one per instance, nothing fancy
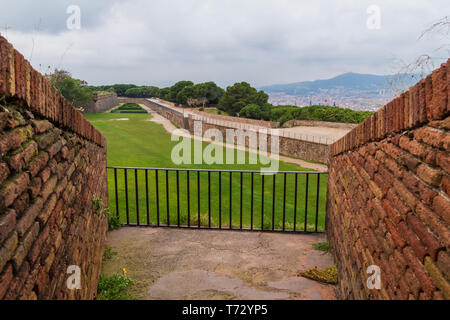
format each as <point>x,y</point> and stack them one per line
<point>209,264</point>
<point>324,132</point>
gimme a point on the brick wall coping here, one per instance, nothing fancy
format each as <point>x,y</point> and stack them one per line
<point>19,81</point>
<point>426,101</point>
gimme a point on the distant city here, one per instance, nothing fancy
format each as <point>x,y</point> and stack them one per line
<point>349,90</point>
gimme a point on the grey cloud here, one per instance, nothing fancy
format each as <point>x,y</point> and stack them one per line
<point>262,42</point>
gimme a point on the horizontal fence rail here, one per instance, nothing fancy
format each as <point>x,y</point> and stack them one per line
<point>286,201</point>
<point>278,132</point>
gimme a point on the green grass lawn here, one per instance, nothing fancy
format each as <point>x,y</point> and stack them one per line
<point>141,143</point>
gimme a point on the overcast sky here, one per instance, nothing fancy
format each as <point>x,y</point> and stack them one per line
<point>259,41</point>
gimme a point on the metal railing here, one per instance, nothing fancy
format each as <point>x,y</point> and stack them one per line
<point>286,201</point>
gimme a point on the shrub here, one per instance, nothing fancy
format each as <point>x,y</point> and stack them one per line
<point>109,253</point>
<point>129,108</point>
<point>113,222</point>
<point>114,287</point>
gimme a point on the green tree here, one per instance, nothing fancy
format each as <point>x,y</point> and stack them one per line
<point>240,95</point>
<point>74,90</point>
<point>120,89</point>
<point>185,94</point>
<point>163,92</point>
<point>141,92</point>
<point>177,87</point>
<point>252,111</point>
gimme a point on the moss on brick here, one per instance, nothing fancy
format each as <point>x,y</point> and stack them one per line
<point>328,275</point>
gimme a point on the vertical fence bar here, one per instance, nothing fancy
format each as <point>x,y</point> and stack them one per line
<point>116,192</point>
<point>220,199</point>
<point>157,197</point>
<point>178,198</point>
<point>126,195</point>
<point>240,222</point>
<point>251,203</point>
<point>231,201</point>
<point>188,200</point>
<point>273,201</point>
<point>262,202</point>
<point>295,201</point>
<point>167,198</point>
<point>146,196</point>
<point>306,201</point>
<point>284,202</point>
<point>209,199</point>
<point>198,197</point>
<point>317,201</point>
<point>137,195</point>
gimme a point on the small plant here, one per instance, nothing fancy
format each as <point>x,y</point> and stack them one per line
<point>329,275</point>
<point>109,254</point>
<point>113,222</point>
<point>114,287</point>
<point>201,109</point>
<point>322,246</point>
<point>97,204</point>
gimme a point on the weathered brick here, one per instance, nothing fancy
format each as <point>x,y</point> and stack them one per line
<point>431,219</point>
<point>48,208</point>
<point>413,147</point>
<point>35,187</point>
<point>445,184</point>
<point>7,249</point>
<point>41,126</point>
<point>412,240</point>
<point>5,278</point>
<point>443,161</point>
<point>47,139</point>
<point>441,206</point>
<point>419,271</point>
<point>405,194</point>
<point>14,139</point>
<point>443,263</point>
<point>398,240</point>
<point>391,212</point>
<point>431,243</point>
<point>29,216</point>
<point>21,157</point>
<point>429,175</point>
<point>21,203</point>
<point>7,224</point>
<point>4,172</point>
<point>420,189</point>
<point>25,246</point>
<point>38,163</point>
<point>430,136</point>
<point>437,277</point>
<point>12,188</point>
<point>48,187</point>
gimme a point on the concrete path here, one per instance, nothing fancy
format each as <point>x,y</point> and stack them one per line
<point>208,264</point>
<point>170,128</point>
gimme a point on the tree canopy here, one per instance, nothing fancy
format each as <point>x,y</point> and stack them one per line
<point>240,95</point>
<point>74,90</point>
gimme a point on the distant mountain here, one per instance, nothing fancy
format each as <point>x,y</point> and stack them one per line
<point>344,83</point>
<point>350,90</point>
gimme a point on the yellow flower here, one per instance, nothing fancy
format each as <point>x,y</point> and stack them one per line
<point>124,272</point>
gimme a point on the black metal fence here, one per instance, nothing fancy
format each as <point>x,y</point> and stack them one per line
<point>285,201</point>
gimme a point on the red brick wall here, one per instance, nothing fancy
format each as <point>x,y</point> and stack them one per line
<point>52,165</point>
<point>389,197</point>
